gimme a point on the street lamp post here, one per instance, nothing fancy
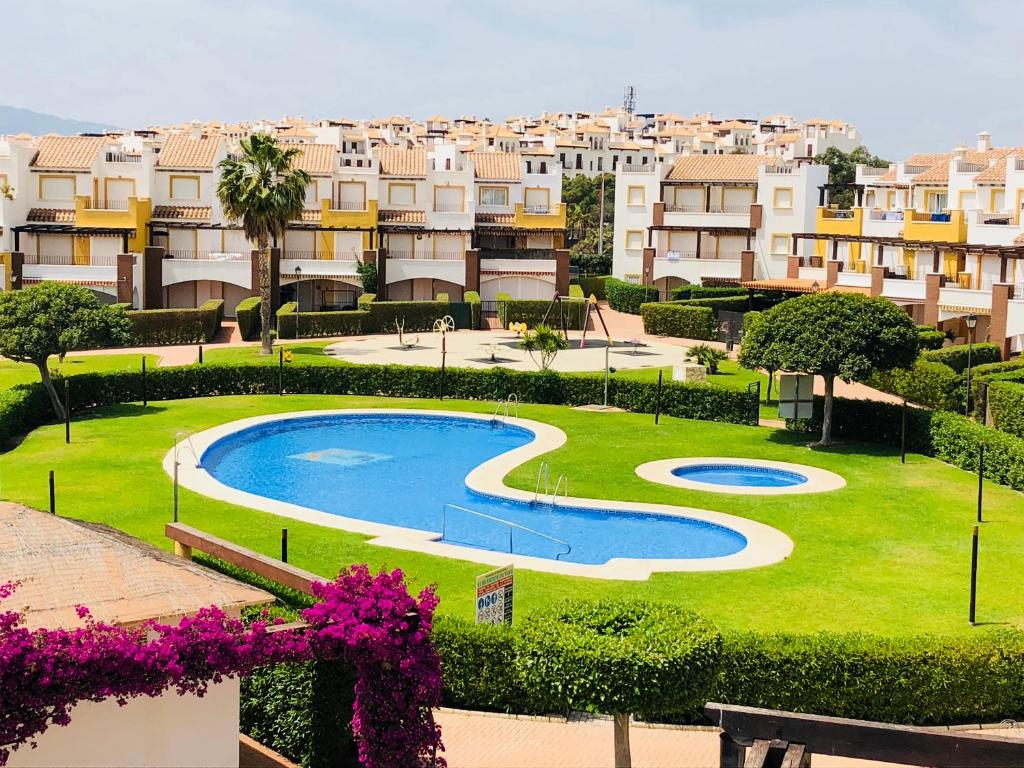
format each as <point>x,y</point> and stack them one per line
<point>298,299</point>
<point>972,322</point>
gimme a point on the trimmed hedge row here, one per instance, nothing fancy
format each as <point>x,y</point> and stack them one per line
<point>532,311</point>
<point>718,303</point>
<point>929,338</point>
<point>473,299</point>
<point>594,286</point>
<point>176,326</point>
<point>707,291</point>
<point>679,320</point>
<point>870,421</point>
<point>928,383</point>
<point>956,357</point>
<point>627,297</point>
<point>1006,405</point>
<point>956,440</point>
<point>291,325</point>
<point>247,313</point>
<point>417,315</point>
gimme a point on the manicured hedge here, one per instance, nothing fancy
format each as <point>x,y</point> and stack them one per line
<point>304,325</point>
<point>929,337</point>
<point>176,326</point>
<point>928,383</point>
<point>442,297</point>
<point>247,313</point>
<point>870,421</point>
<point>718,303</point>
<point>707,291</point>
<point>627,297</point>
<point>956,440</point>
<point>417,315</point>
<point>364,299</point>
<point>1006,406</point>
<point>956,357</point>
<point>473,299</point>
<point>594,286</point>
<point>679,320</point>
<point>532,312</point>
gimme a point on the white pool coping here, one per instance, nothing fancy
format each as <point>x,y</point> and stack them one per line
<point>765,545</point>
<point>818,480</point>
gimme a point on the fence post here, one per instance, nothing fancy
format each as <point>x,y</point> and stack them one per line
<point>974,573</point>
<point>284,545</point>
<point>145,393</point>
<point>200,354</point>
<point>53,496</point>
<point>657,402</point>
<point>903,433</point>
<point>981,477</point>
<point>67,411</point>
<point>280,370</point>
<point>444,355</point>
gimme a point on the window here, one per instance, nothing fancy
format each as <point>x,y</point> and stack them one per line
<point>998,200</point>
<point>634,239</point>
<point>402,194</point>
<point>890,200</point>
<point>780,244</point>
<point>936,202</point>
<point>636,196</point>
<point>782,197</point>
<point>350,196</point>
<point>869,199</point>
<point>494,196</point>
<point>529,166</point>
<point>57,188</point>
<point>537,199</point>
<point>600,163</point>
<point>183,187</point>
<point>543,166</point>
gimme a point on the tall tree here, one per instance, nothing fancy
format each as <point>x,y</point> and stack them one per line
<point>54,319</point>
<point>842,171</point>
<point>832,335</point>
<point>264,191</point>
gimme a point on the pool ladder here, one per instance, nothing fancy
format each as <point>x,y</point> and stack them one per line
<point>513,400</point>
<point>543,473</point>
<point>508,523</point>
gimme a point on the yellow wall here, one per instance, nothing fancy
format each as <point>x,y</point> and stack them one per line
<point>82,250</point>
<point>553,220</point>
<point>332,218</point>
<point>136,216</point>
<point>919,226</point>
<point>5,260</point>
<point>826,225</point>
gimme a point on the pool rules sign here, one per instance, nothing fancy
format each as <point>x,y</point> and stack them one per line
<point>494,596</point>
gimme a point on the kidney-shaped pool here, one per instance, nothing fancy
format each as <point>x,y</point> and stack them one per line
<point>441,475</point>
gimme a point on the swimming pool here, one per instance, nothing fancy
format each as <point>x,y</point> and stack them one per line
<point>746,475</point>
<point>432,482</point>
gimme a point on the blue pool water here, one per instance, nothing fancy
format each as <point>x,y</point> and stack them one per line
<point>401,469</point>
<point>746,475</point>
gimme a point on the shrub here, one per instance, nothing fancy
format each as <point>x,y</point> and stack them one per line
<point>679,320</point>
<point>247,313</point>
<point>1006,405</point>
<point>575,292</point>
<point>928,383</point>
<point>870,421</point>
<point>749,318</point>
<point>708,356</point>
<point>1009,369</point>
<point>478,666</point>
<point>930,338</point>
<point>956,439</point>
<point>292,325</point>
<point>473,299</point>
<point>176,326</point>
<point>364,299</point>
<point>532,311</point>
<point>707,291</point>
<point>956,357</point>
<point>417,316</point>
<point>594,286</point>
<point>718,303</point>
<point>442,297</point>
<point>627,297</point>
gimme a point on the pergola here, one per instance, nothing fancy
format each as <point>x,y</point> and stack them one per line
<point>154,228</point>
<point>125,233</point>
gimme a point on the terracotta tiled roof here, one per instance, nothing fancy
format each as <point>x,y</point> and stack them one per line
<point>181,212</point>
<point>403,162</point>
<point>121,579</point>
<point>505,219</point>
<point>538,150</point>
<point>317,159</point>
<point>68,152</point>
<point>295,131</point>
<point>994,175</point>
<point>716,168</point>
<point>630,145</point>
<point>52,215</point>
<point>927,159</point>
<point>889,175</point>
<point>937,174</point>
<point>397,216</point>
<point>497,166</point>
<point>183,151</point>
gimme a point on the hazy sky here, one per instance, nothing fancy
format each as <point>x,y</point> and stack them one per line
<point>912,75</point>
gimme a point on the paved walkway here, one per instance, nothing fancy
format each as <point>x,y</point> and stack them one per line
<point>484,740</point>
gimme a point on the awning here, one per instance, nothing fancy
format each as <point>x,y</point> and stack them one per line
<point>86,283</point>
<point>785,284</point>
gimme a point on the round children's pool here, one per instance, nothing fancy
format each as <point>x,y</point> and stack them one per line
<point>736,475</point>
<point>743,475</point>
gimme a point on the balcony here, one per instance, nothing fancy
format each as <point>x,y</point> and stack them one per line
<point>993,228</point>
<point>189,255</point>
<point>69,260</point>
<point>540,217</point>
<point>687,266</point>
<point>347,205</point>
<point>427,255</point>
<point>346,213</point>
<point>122,157</point>
<point>444,166</point>
<point>635,168</point>
<point>703,215</point>
<point>449,208</point>
<point>107,205</point>
<point>832,221</point>
<point>131,213</point>
<point>943,227</point>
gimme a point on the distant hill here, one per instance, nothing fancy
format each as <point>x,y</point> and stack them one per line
<point>15,120</point>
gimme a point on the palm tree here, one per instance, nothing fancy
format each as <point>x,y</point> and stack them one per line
<point>263,190</point>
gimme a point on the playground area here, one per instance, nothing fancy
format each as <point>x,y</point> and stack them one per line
<point>487,349</point>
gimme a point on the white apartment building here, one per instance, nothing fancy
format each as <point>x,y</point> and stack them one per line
<point>690,219</point>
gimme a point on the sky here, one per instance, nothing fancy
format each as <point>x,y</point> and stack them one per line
<point>917,75</point>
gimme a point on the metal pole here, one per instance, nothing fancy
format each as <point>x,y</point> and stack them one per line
<point>284,545</point>
<point>175,487</point>
<point>53,496</point>
<point>145,394</point>
<point>967,394</point>
<point>600,225</point>
<point>903,433</point>
<point>280,370</point>
<point>67,411</point>
<point>606,373</point>
<point>444,354</point>
<point>657,402</point>
<point>974,572</point>
<point>200,354</point>
<point>981,477</point>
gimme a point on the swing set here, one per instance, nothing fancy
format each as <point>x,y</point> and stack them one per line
<point>592,306</point>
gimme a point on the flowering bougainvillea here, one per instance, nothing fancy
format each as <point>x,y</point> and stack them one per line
<point>370,621</point>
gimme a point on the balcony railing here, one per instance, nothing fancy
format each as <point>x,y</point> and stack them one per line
<point>190,255</point>
<point>356,162</point>
<point>427,255</point>
<point>450,167</point>
<point>107,205</point>
<point>122,157</point>
<point>778,169</point>
<point>870,170</point>
<point>879,215</point>
<point>490,208</point>
<point>348,205</point>
<point>703,256</point>
<point>449,208</point>
<point>965,167</point>
<point>1001,217</point>
<point>539,210</point>
<point>68,260</point>
<point>636,168</point>
<point>836,213</point>
<point>292,253</point>
<point>710,209</point>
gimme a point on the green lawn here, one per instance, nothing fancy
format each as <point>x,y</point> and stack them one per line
<point>12,373</point>
<point>889,553</point>
<point>302,352</point>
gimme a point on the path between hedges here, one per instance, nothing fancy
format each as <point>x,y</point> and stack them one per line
<point>486,740</point>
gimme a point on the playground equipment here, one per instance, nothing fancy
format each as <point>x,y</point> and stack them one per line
<point>444,325</point>
<point>405,344</point>
<point>518,328</point>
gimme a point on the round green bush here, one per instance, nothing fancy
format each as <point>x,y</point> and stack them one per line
<point>617,657</point>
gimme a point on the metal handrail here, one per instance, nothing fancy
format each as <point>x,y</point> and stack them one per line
<point>558,484</point>
<point>191,447</point>
<point>542,469</point>
<point>513,398</point>
<point>509,523</point>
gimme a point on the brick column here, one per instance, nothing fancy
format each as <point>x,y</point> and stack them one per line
<point>647,278</point>
<point>746,266</point>
<point>275,279</point>
<point>473,269</point>
<point>1001,295</point>
<point>125,278</point>
<point>877,280</point>
<point>562,272</point>
<point>15,263</point>
<point>933,283</point>
<point>382,274</point>
<point>832,270</point>
<point>153,277</point>
<point>658,214</point>
<point>756,215</point>
<point>793,264</point>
